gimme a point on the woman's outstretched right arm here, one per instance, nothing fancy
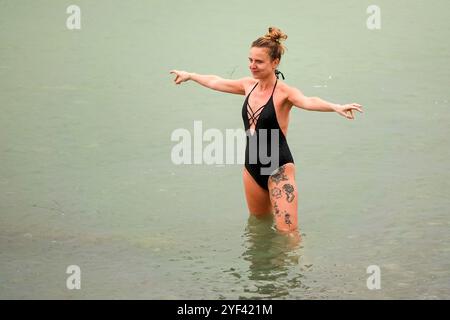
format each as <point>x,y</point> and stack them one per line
<point>213,82</point>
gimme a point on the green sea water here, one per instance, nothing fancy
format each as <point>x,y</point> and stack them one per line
<point>86,176</point>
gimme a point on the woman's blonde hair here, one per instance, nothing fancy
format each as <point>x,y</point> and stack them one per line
<point>272,41</point>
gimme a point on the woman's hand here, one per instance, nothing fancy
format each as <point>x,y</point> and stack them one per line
<point>346,110</point>
<point>181,76</point>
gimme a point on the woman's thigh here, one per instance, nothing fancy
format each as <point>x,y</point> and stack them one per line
<point>284,198</point>
<point>258,200</point>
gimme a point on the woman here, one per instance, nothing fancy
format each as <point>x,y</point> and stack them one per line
<point>268,191</point>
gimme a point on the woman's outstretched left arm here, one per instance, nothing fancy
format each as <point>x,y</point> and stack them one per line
<point>297,99</point>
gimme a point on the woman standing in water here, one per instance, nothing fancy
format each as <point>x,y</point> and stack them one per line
<point>268,189</point>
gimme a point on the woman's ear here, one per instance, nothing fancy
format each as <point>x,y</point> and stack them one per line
<point>275,63</point>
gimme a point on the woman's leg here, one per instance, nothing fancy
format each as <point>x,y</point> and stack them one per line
<point>258,200</point>
<point>283,196</point>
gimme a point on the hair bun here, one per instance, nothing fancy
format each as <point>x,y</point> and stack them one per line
<point>275,34</point>
<point>272,41</point>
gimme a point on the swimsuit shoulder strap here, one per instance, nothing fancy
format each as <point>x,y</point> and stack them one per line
<point>274,87</point>
<point>252,89</point>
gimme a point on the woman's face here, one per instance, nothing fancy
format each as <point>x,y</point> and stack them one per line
<point>260,64</point>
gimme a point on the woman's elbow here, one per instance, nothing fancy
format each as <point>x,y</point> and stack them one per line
<point>306,103</point>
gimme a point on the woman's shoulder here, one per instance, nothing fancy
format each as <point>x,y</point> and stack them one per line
<point>248,83</point>
<point>283,88</point>
<point>285,92</point>
<point>286,89</point>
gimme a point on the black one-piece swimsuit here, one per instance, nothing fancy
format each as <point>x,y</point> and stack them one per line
<point>263,118</point>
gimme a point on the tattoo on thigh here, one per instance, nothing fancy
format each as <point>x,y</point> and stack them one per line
<point>287,218</point>
<point>277,211</point>
<point>289,190</point>
<point>276,193</point>
<point>279,176</point>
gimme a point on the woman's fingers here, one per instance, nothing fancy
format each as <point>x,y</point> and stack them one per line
<point>347,110</point>
<point>357,107</point>
<point>347,113</point>
<point>344,114</point>
<point>180,76</point>
<point>177,76</point>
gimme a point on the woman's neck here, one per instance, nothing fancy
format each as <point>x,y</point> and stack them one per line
<point>266,83</point>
